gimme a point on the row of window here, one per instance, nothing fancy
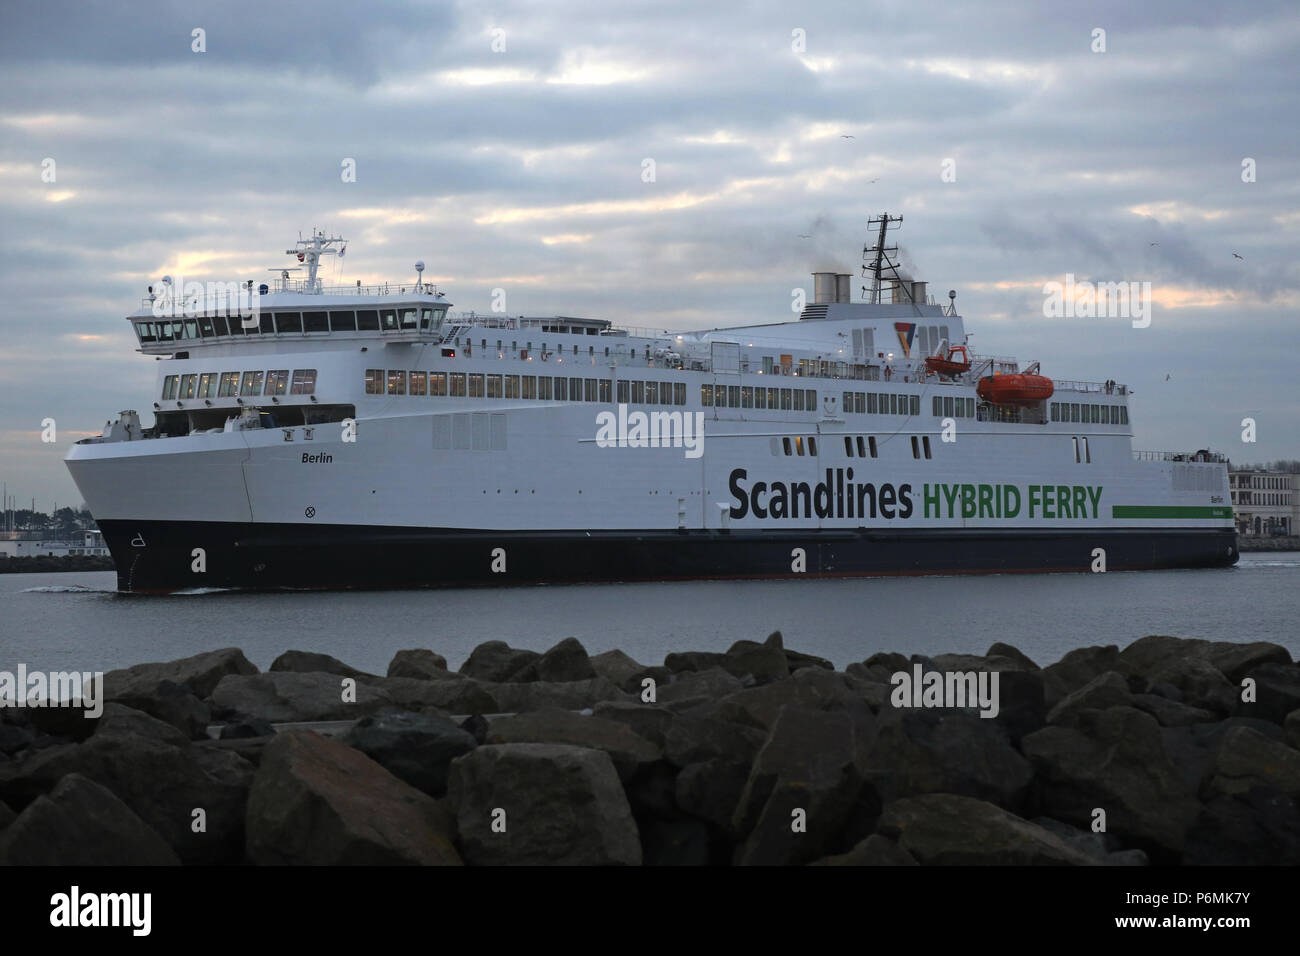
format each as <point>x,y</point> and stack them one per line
<point>952,406</point>
<point>1258,481</point>
<point>883,403</point>
<point>1261,498</point>
<point>542,387</point>
<point>230,384</point>
<point>202,327</point>
<point>755,396</point>
<point>855,446</point>
<point>1096,414</point>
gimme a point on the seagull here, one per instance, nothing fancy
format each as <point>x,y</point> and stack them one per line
<point>847,136</point>
<point>870,181</point>
<point>1166,376</point>
<point>1153,243</point>
<point>805,237</point>
<point>1235,256</point>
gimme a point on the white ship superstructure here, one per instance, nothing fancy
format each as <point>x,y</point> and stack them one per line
<point>349,437</point>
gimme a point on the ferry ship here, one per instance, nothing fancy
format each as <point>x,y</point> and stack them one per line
<point>307,436</point>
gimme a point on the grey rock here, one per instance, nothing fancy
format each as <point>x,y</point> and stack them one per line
<point>82,823</point>
<point>648,720</point>
<point>1257,828</point>
<point>999,649</point>
<point>124,720</point>
<point>806,764</point>
<point>1235,661</point>
<point>171,703</point>
<point>1105,690</point>
<point>290,696</point>
<point>420,664</point>
<point>628,750</point>
<point>318,802</point>
<point>693,739</point>
<point>7,816</point>
<point>929,751</point>
<point>308,662</point>
<point>1148,655</point>
<point>693,661</point>
<point>711,790</point>
<point>1077,668</point>
<point>764,662</point>
<point>476,725</point>
<point>1199,684</point>
<point>566,661</point>
<point>1246,760</point>
<point>1171,713</point>
<point>1194,748</point>
<point>1291,727</point>
<point>562,805</point>
<point>875,850</point>
<point>416,748</point>
<point>715,682</point>
<point>625,673</point>
<point>496,661</point>
<point>1277,692</point>
<point>544,695</point>
<point>1116,760</point>
<point>201,673</point>
<point>946,829</point>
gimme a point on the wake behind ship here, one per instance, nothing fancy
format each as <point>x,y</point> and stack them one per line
<point>315,437</point>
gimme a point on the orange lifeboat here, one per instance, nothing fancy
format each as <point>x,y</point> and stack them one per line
<point>949,366</point>
<point>1015,389</point>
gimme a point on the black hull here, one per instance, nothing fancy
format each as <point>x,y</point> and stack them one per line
<point>158,557</point>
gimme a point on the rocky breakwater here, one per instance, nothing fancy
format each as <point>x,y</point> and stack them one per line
<point>1170,751</point>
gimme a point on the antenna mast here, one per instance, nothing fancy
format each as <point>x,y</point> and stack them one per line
<point>309,252</point>
<point>879,259</point>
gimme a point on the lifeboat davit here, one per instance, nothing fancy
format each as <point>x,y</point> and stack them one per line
<point>1015,389</point>
<point>949,366</point>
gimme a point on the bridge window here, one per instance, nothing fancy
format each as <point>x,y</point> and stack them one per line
<point>169,387</point>
<point>252,384</point>
<point>265,324</point>
<point>374,381</point>
<point>187,385</point>
<point>343,321</point>
<point>367,319</point>
<point>277,382</point>
<point>229,384</point>
<point>304,381</point>
<point>145,331</point>
<point>388,320</point>
<point>207,384</point>
<point>315,322</point>
<point>408,318</point>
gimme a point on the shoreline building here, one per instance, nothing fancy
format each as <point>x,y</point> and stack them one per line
<point>1265,502</point>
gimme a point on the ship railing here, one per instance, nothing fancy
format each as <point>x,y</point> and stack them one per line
<point>1063,385</point>
<point>183,306</point>
<point>1201,456</point>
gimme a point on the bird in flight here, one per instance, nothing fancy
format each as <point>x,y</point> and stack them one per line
<point>1235,256</point>
<point>1166,376</point>
<point>1153,243</point>
<point>805,237</point>
<point>847,136</point>
<point>870,181</point>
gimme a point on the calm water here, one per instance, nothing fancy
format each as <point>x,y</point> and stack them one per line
<point>76,621</point>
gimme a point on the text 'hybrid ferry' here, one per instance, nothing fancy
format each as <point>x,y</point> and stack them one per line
<point>306,436</point>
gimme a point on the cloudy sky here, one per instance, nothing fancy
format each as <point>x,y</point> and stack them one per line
<point>504,144</point>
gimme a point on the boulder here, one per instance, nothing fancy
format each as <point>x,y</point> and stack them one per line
<point>15,737</point>
<point>999,649</point>
<point>1259,827</point>
<point>936,751</point>
<point>542,695</point>
<point>625,673</point>
<point>628,750</point>
<point>648,720</point>
<point>693,661</point>
<point>161,781</point>
<point>946,829</point>
<point>1291,727</point>
<point>1194,748</point>
<point>496,661</point>
<point>7,816</point>
<point>318,802</point>
<point>711,790</point>
<point>1170,713</point>
<point>82,823</point>
<point>1235,661</point>
<point>291,697</point>
<point>1148,655</point>
<point>122,720</point>
<point>1114,759</point>
<point>171,703</point>
<point>693,739</point>
<point>1077,668</point>
<point>1277,692</point>
<point>714,682</point>
<point>1105,690</point>
<point>1199,684</point>
<point>476,725</point>
<point>806,766</point>
<point>558,804</point>
<point>452,695</point>
<point>307,662</point>
<point>875,850</point>
<point>201,673</point>
<point>765,662</point>
<point>419,664</point>
<point>566,661</point>
<point>1246,760</point>
<point>416,748</point>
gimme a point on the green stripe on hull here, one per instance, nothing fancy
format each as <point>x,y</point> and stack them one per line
<point>1169,511</point>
